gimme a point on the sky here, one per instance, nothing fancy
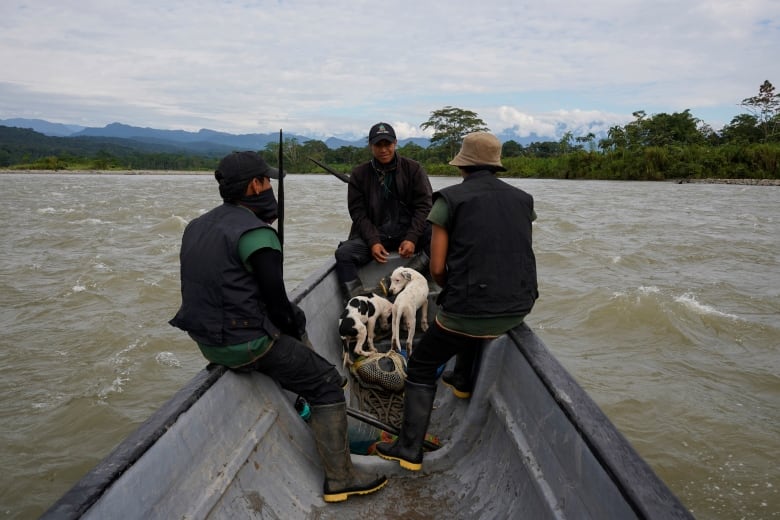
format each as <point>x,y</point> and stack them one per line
<point>332,69</point>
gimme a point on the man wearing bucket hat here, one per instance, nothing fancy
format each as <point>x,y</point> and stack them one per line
<point>235,307</point>
<point>482,257</point>
<point>388,199</point>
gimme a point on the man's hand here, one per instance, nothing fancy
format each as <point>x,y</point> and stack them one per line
<point>379,253</point>
<point>299,318</point>
<point>294,323</point>
<point>406,249</point>
<point>300,325</point>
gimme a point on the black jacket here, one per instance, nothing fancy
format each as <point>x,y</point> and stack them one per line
<point>368,206</point>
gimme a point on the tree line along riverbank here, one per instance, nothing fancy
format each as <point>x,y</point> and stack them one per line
<point>740,182</point>
<point>676,147</point>
<point>657,163</point>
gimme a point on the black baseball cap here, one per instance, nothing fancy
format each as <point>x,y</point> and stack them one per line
<point>381,132</point>
<point>236,170</point>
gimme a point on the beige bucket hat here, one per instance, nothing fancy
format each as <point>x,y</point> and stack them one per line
<point>480,149</point>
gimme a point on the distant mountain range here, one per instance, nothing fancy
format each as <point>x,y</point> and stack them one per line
<point>203,141</point>
<point>193,141</point>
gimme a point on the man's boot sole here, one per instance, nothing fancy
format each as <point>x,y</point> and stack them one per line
<point>460,394</point>
<point>341,496</point>
<point>411,466</point>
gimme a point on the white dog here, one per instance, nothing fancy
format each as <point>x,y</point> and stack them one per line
<point>411,289</point>
<point>359,319</point>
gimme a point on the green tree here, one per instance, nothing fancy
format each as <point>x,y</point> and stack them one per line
<point>450,125</point>
<point>294,155</point>
<point>565,142</point>
<point>589,138</point>
<point>544,149</point>
<point>743,129</point>
<point>615,140</point>
<point>413,151</point>
<point>348,156</point>
<point>512,148</point>
<point>271,153</point>
<point>677,128</point>
<point>314,148</point>
<point>766,108</point>
<point>635,130</point>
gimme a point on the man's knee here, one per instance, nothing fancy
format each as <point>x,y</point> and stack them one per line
<point>343,254</point>
<point>349,250</point>
<point>330,390</point>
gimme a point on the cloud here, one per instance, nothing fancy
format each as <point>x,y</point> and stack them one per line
<point>579,122</point>
<point>335,68</point>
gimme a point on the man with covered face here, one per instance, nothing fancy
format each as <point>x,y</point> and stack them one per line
<point>235,307</point>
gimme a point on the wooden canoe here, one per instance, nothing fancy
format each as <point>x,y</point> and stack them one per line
<point>529,443</point>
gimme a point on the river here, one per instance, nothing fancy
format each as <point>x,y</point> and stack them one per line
<point>662,300</point>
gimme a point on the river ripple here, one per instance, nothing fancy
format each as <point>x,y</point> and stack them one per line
<point>663,301</point>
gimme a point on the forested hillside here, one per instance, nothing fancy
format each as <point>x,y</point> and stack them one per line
<point>25,149</point>
<point>651,147</point>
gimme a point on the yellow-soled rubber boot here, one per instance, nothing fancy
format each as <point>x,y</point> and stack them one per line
<point>342,479</point>
<point>408,447</point>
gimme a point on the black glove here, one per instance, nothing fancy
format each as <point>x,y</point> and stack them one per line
<point>299,319</point>
<point>293,322</point>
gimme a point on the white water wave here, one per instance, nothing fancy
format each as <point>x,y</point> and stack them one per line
<point>690,301</point>
<point>167,359</point>
<point>51,211</point>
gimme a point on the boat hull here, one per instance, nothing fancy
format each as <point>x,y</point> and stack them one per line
<point>529,443</point>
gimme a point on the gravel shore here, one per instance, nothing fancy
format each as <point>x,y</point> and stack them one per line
<point>750,182</point>
<point>743,182</point>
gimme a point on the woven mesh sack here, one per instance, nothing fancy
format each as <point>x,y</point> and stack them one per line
<point>384,370</point>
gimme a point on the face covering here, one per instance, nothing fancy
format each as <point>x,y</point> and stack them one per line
<point>263,205</point>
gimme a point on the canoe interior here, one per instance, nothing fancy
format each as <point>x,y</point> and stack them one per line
<point>529,443</point>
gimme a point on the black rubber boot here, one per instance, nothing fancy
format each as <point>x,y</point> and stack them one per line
<point>458,383</point>
<point>408,447</point>
<point>329,423</point>
<point>461,378</point>
<point>351,289</point>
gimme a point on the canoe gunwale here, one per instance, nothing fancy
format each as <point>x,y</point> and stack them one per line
<point>76,501</point>
<point>643,490</point>
<point>91,487</point>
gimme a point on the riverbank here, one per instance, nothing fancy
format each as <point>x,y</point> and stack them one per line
<point>741,182</point>
<point>111,172</point>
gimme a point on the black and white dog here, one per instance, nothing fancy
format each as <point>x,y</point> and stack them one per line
<point>360,318</point>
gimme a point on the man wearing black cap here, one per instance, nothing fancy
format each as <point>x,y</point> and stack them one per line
<point>235,307</point>
<point>388,198</point>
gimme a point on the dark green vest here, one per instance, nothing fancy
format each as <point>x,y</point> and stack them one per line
<point>491,267</point>
<point>221,303</point>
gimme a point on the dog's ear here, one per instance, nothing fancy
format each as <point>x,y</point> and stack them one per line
<point>407,274</point>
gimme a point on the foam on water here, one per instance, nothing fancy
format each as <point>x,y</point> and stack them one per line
<point>690,301</point>
<point>168,359</point>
